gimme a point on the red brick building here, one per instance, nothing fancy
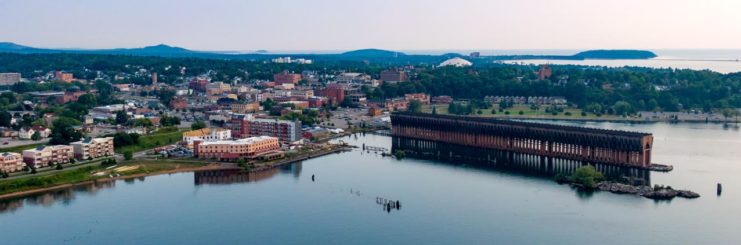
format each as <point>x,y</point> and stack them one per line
<point>285,77</point>
<point>335,93</point>
<point>544,72</point>
<point>394,76</point>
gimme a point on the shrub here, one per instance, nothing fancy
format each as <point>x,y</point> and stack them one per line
<point>128,155</point>
<point>587,176</point>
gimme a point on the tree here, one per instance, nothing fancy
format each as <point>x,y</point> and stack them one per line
<point>415,106</point>
<point>434,110</point>
<point>198,125</point>
<point>622,108</point>
<point>122,117</point>
<point>128,155</point>
<point>59,166</point>
<point>143,122</point>
<point>5,119</point>
<point>63,132</point>
<point>36,136</point>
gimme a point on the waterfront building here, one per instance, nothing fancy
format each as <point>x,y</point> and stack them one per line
<point>43,156</point>
<point>396,104</point>
<point>206,134</point>
<point>442,99</point>
<point>90,148</point>
<point>229,150</point>
<point>9,78</point>
<point>243,126</point>
<point>11,162</point>
<point>424,98</point>
<point>285,77</point>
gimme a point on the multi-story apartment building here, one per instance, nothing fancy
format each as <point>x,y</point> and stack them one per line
<point>9,78</point>
<point>11,162</point>
<point>243,126</point>
<point>394,76</point>
<point>90,148</point>
<point>217,88</point>
<point>206,134</point>
<point>252,147</point>
<point>43,156</point>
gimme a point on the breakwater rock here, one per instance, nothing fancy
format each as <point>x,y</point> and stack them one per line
<point>656,192</point>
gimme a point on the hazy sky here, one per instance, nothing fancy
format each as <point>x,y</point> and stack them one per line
<point>388,24</point>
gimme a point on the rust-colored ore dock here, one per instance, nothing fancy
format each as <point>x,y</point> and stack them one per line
<point>591,145</point>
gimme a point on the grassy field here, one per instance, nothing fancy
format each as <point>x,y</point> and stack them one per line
<point>63,177</point>
<point>527,112</point>
<point>87,174</point>
<point>20,148</point>
<point>157,139</point>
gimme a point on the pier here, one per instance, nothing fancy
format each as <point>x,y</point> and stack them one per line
<point>588,145</point>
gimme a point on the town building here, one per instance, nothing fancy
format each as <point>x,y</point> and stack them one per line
<point>198,84</point>
<point>64,76</point>
<point>352,77</point>
<point>424,98</point>
<point>335,93</point>
<point>243,126</point>
<point>9,78</point>
<point>91,148</point>
<point>442,99</point>
<point>285,77</point>
<point>231,150</point>
<point>397,104</point>
<point>43,156</point>
<point>217,88</point>
<point>206,134</point>
<point>11,162</point>
<point>394,76</point>
<point>242,108</point>
<point>178,103</point>
<point>544,72</point>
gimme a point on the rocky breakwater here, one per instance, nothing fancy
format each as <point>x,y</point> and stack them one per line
<point>656,192</point>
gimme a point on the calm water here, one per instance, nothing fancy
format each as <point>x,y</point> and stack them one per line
<point>442,203</point>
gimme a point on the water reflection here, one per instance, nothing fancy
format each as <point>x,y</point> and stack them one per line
<point>232,176</point>
<point>505,161</point>
<point>47,199</point>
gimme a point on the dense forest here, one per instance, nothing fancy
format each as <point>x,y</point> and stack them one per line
<point>640,88</point>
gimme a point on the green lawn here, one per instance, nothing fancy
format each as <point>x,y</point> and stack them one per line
<point>64,177</point>
<point>147,142</point>
<point>527,112</point>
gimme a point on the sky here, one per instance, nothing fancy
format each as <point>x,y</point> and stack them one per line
<point>246,25</point>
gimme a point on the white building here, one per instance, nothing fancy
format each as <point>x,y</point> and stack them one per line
<point>206,135</point>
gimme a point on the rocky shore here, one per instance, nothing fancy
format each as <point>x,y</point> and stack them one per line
<point>656,192</point>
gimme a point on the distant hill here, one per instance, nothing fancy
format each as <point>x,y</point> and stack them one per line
<point>616,54</point>
<point>365,55</point>
<point>373,53</point>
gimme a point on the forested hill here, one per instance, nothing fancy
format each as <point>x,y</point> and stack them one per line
<point>365,55</point>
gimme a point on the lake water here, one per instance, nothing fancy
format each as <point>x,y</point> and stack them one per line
<point>441,202</point>
<point>723,61</point>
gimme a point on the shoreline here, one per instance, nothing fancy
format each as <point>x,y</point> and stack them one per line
<point>26,193</point>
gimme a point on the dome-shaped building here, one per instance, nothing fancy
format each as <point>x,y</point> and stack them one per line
<point>457,62</point>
